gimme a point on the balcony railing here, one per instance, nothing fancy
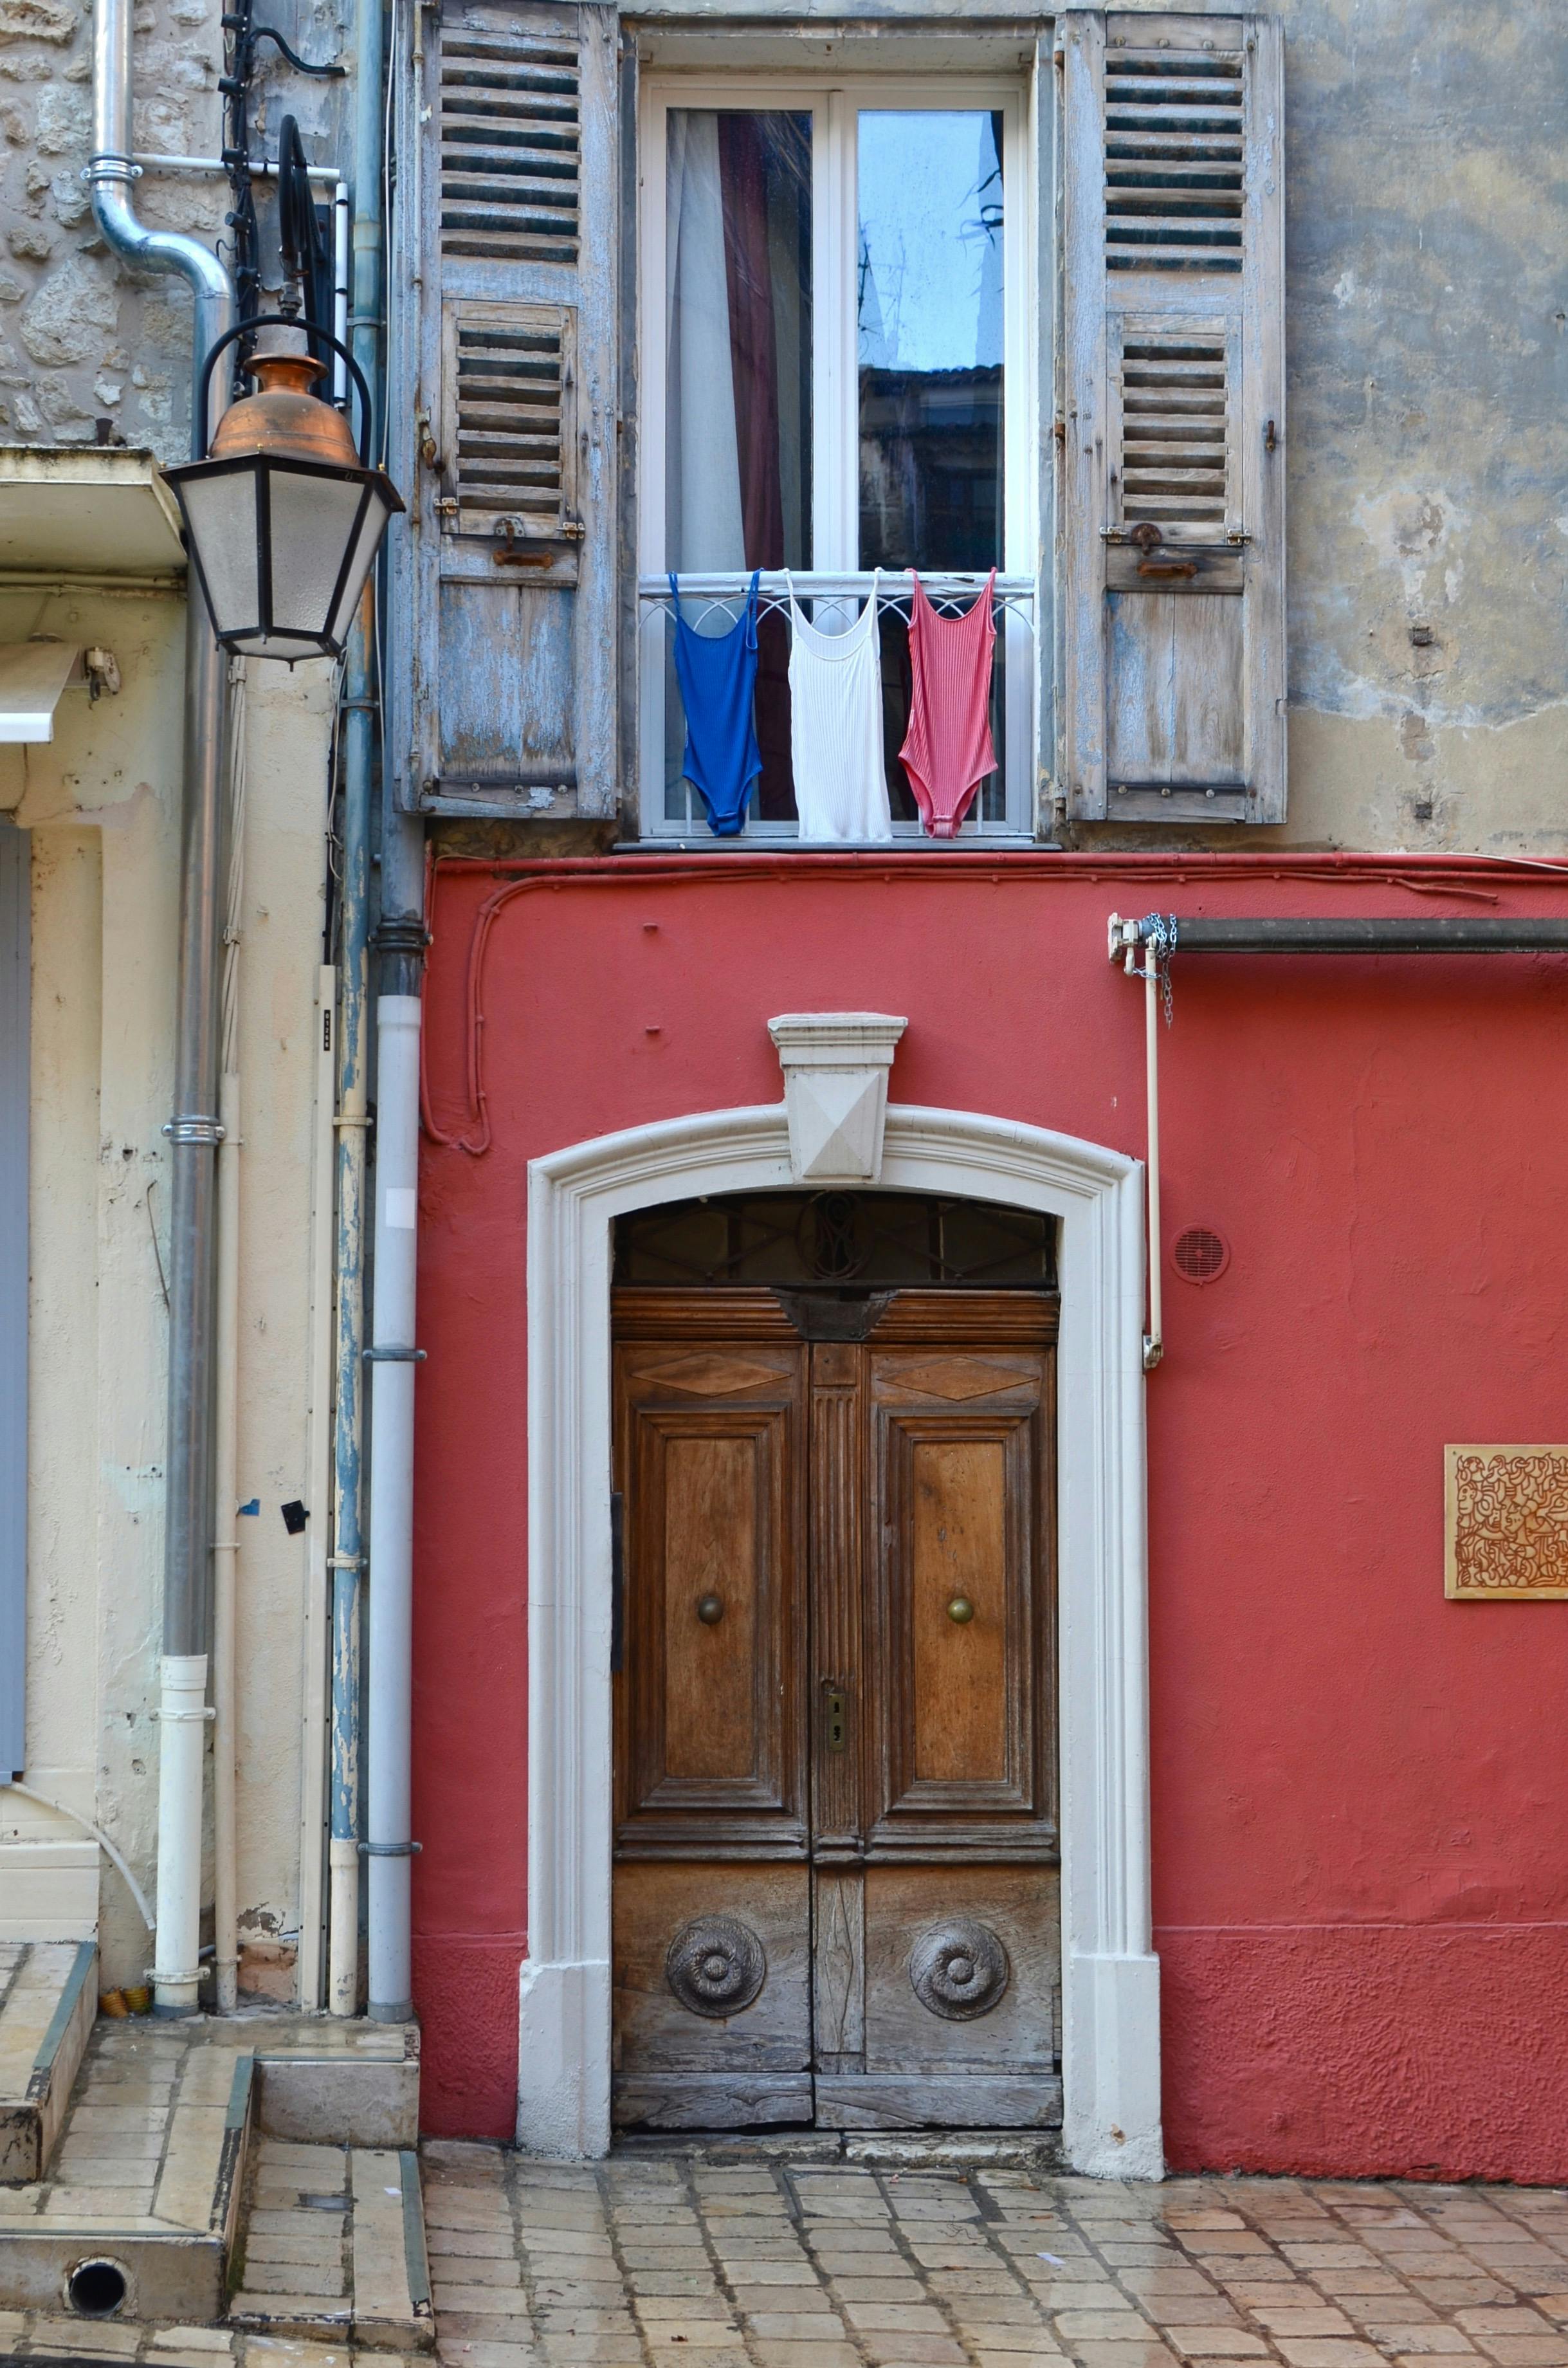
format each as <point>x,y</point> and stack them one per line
<point>713,603</point>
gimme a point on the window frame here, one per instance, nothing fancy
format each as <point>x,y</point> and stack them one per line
<point>833,98</point>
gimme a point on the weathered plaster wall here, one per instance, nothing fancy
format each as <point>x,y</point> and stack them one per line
<point>1427,331</point>
<point>1426,436</point>
<point>285,891</point>
<point>102,804</point>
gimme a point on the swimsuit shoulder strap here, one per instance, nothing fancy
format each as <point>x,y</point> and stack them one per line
<point>750,610</point>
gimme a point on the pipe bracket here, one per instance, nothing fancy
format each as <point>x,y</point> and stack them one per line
<point>389,1850</point>
<point>192,1127</point>
<point>110,166</point>
<point>395,1356</point>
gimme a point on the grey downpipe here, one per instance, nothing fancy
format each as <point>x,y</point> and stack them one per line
<point>358,747</point>
<point>400,945</point>
<point>193,1131</point>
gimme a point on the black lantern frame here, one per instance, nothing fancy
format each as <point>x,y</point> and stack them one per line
<point>262,467</point>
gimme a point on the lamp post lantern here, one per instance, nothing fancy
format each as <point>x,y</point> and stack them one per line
<point>283,516</point>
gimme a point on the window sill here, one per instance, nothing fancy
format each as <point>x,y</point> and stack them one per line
<point>991,842</point>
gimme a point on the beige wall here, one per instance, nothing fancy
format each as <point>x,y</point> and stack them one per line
<point>102,804</point>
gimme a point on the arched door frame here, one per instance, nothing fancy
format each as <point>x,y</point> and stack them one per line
<point>1111,1975</point>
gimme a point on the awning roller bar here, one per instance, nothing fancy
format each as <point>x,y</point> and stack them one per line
<point>1432,934</point>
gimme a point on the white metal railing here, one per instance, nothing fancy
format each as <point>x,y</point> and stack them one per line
<point>712,601</point>
<point>948,594</point>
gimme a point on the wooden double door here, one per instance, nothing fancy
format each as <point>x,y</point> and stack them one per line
<point>837,1895</point>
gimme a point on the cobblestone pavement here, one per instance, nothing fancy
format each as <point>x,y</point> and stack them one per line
<point>648,2259</point>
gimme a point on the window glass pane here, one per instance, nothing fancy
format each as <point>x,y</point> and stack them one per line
<point>738,390</point>
<point>931,328</point>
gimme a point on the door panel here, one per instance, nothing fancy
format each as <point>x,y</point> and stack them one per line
<point>711,1977</point>
<point>837,1895</point>
<point>709,1718</point>
<point>960,1586</point>
<point>961,1970</point>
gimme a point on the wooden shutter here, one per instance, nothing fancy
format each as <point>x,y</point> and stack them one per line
<point>1174,385</point>
<point>505,402</point>
<point>16,975</point>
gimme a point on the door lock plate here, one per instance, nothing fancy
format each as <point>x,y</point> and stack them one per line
<point>836,1718</point>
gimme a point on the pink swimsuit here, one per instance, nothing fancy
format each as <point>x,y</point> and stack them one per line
<point>948,750</point>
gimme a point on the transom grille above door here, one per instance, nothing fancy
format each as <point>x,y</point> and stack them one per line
<point>852,1242</point>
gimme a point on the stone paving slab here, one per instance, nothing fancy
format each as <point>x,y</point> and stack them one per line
<point>802,2259</point>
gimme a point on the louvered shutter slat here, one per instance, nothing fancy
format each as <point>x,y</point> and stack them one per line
<point>508,702</point>
<point>1174,693</point>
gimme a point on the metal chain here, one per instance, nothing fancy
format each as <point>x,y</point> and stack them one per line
<point>1159,933</point>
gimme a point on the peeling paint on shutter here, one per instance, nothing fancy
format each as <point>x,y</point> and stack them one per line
<point>15,970</point>
<point>1173,699</point>
<point>504,576</point>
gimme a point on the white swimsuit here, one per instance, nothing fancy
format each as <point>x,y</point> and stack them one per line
<point>836,727</point>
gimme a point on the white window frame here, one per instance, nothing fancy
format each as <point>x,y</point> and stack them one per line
<point>833,100</point>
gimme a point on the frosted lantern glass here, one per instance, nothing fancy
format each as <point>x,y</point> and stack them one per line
<point>371,528</point>
<point>221,514</point>
<point>310,526</point>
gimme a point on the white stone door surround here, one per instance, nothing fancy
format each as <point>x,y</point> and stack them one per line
<point>1110,2006</point>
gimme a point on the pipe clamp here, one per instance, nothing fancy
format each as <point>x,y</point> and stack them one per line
<point>389,1850</point>
<point>395,1356</point>
<point>191,1127</point>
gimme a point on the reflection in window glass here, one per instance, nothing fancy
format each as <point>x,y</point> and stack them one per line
<point>738,371</point>
<point>930,329</point>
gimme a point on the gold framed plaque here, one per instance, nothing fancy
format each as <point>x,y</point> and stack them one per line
<point>1506,1524</point>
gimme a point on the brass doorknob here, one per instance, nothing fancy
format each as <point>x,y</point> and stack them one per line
<point>711,1609</point>
<point>960,1610</point>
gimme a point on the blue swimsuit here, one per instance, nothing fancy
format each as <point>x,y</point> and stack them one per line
<point>717,673</point>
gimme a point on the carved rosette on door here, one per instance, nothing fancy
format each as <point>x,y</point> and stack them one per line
<point>836,1852</point>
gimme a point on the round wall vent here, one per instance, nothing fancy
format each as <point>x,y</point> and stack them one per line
<point>1200,1254</point>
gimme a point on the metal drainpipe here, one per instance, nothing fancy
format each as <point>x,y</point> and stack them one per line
<point>400,941</point>
<point>348,1560</point>
<point>193,1132</point>
<point>400,944</point>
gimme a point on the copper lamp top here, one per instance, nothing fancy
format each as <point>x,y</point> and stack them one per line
<point>285,420</point>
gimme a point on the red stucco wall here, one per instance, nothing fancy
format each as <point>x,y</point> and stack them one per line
<point>1360,1851</point>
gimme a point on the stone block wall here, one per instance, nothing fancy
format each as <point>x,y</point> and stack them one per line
<point>83,339</point>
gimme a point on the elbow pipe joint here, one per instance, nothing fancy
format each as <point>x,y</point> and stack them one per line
<point>110,175</point>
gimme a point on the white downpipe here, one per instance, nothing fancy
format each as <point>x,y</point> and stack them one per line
<point>313,1691</point>
<point>390,1654</point>
<point>1155,1339</point>
<point>182,1741</point>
